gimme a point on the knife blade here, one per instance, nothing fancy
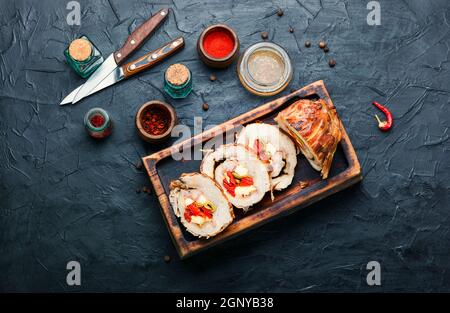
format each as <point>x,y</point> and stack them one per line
<point>131,68</point>
<point>115,59</point>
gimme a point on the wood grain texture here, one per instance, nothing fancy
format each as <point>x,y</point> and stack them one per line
<point>152,58</point>
<point>140,35</point>
<point>286,202</point>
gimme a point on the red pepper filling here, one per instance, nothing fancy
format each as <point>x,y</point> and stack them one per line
<point>194,209</point>
<point>259,150</point>
<point>231,185</point>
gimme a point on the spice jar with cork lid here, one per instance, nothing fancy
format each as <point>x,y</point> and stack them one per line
<point>178,81</point>
<point>83,57</point>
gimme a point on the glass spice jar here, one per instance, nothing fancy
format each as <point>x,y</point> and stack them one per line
<point>83,57</point>
<point>178,81</point>
<point>98,123</point>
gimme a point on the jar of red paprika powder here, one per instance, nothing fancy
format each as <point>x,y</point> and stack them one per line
<point>98,123</point>
<point>218,46</point>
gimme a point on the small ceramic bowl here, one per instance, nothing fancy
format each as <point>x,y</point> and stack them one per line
<point>210,60</point>
<point>157,107</point>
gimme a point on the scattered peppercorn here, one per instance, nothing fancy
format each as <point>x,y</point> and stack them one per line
<point>139,165</point>
<point>167,258</point>
<point>264,35</point>
<point>212,77</point>
<point>138,190</point>
<point>331,62</point>
<point>205,106</point>
<point>280,12</point>
<point>326,49</point>
<point>291,30</point>
<point>322,44</point>
<point>145,189</point>
<point>307,43</point>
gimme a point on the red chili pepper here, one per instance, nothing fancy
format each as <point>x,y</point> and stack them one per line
<point>384,125</point>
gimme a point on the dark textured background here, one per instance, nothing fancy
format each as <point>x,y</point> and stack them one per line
<point>65,197</point>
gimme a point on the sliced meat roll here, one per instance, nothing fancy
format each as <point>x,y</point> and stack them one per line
<point>200,204</point>
<point>274,148</point>
<point>243,177</point>
<point>316,129</point>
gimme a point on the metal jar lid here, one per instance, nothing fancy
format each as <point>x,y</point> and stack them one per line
<point>265,69</point>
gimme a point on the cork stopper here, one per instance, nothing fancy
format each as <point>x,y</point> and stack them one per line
<point>177,74</point>
<point>80,49</point>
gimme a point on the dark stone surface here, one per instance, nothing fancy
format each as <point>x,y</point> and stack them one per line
<point>65,197</point>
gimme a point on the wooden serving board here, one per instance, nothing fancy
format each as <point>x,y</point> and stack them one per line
<point>307,186</point>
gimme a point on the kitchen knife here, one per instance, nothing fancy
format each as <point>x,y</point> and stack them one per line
<point>131,68</point>
<point>134,41</point>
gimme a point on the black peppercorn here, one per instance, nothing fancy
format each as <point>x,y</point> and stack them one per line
<point>322,44</point>
<point>264,35</point>
<point>205,106</point>
<point>291,30</point>
<point>167,258</point>
<point>280,12</point>
<point>307,43</point>
<point>138,190</point>
<point>212,77</point>
<point>331,62</point>
<point>326,49</point>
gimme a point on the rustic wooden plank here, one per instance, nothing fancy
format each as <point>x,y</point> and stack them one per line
<point>287,202</point>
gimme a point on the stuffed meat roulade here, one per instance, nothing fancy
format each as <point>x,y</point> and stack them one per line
<point>316,129</point>
<point>200,204</point>
<point>242,176</point>
<point>274,148</point>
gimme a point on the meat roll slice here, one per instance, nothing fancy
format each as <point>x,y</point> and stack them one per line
<point>316,129</point>
<point>274,148</point>
<point>200,204</point>
<point>243,177</point>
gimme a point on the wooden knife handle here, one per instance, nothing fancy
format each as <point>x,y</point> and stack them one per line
<point>139,35</point>
<point>152,58</point>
